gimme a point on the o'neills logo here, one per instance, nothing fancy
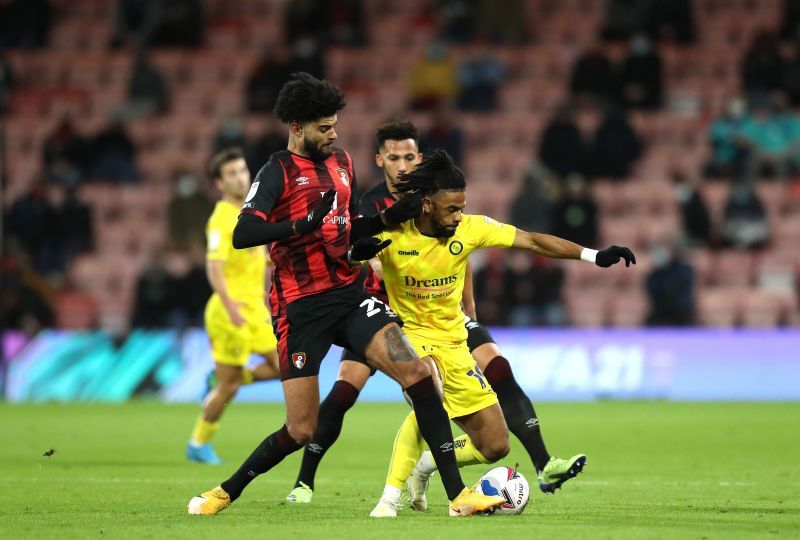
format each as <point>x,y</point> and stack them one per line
<point>411,281</point>
<point>413,252</point>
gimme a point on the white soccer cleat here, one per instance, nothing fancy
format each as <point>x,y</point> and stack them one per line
<point>417,486</point>
<point>386,507</point>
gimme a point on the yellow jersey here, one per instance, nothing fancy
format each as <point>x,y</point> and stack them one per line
<point>244,269</point>
<point>424,276</point>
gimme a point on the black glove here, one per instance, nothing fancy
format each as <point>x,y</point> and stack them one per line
<point>314,218</point>
<point>613,254</point>
<point>410,206</point>
<point>366,248</point>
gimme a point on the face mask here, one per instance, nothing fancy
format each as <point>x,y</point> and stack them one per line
<point>186,186</point>
<point>736,108</point>
<point>640,46</point>
<point>660,256</point>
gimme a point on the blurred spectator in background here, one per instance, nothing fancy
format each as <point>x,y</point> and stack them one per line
<point>267,78</point>
<point>771,135</point>
<point>434,79</point>
<point>147,91</point>
<point>444,133</point>
<point>575,213</point>
<point>307,56</point>
<point>160,23</point>
<point>24,23</point>
<point>191,289</point>
<point>26,221</point>
<point>180,24</point>
<point>480,77</point>
<point>113,155</point>
<point>6,83</point>
<point>616,146</point>
<point>25,296</point>
<point>642,79</point>
<point>671,19</point>
<point>489,284</point>
<point>457,19</point>
<point>501,22</point>
<point>626,17</point>
<point>561,147</point>
<point>532,209</point>
<point>790,20</point>
<point>271,140</point>
<point>534,291</point>
<point>344,22</point>
<point>230,135</point>
<point>188,211</point>
<point>791,73</point>
<point>670,287</point>
<point>594,76</point>
<point>728,147</point>
<point>762,67</point>
<point>744,222</point>
<point>695,217</point>
<point>154,298</point>
<point>65,155</point>
<point>304,18</point>
<point>69,222</point>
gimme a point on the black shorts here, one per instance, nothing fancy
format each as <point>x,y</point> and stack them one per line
<point>307,327</point>
<point>477,335</point>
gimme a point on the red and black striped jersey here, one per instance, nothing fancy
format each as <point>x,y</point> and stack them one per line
<point>287,188</point>
<point>371,203</point>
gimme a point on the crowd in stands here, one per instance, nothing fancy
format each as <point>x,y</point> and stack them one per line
<point>582,152</point>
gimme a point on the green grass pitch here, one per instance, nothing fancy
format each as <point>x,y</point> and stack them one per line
<point>655,470</point>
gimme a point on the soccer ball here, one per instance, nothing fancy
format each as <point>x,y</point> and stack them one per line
<point>509,484</point>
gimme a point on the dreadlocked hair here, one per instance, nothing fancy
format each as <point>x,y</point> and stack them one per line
<point>436,172</point>
<point>304,98</point>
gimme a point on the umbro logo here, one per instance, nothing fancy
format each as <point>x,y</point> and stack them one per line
<point>447,447</point>
<point>413,252</point>
<point>532,422</point>
<point>302,181</point>
<point>314,447</point>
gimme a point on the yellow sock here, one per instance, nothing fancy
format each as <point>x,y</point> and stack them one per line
<point>407,449</point>
<point>203,431</point>
<point>247,376</point>
<point>466,453</point>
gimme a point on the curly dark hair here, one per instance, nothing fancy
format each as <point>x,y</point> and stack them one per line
<point>436,172</point>
<point>304,98</point>
<point>396,131</point>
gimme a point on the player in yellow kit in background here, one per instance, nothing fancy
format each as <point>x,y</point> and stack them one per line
<point>237,319</point>
<point>424,269</point>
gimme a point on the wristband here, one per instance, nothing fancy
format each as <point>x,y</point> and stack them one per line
<point>589,255</point>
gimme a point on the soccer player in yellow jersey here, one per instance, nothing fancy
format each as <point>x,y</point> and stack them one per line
<point>237,319</point>
<point>424,270</point>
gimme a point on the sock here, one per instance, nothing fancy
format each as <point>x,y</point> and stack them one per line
<point>247,376</point>
<point>518,410</point>
<point>391,493</point>
<point>269,453</point>
<point>466,454</point>
<point>329,425</point>
<point>435,428</point>
<point>203,431</point>
<point>406,451</point>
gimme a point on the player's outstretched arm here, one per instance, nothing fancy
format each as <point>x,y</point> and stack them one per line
<point>560,248</point>
<point>251,230</point>
<point>406,208</point>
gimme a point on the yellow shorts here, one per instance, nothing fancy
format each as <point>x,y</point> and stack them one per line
<point>233,345</point>
<point>466,390</point>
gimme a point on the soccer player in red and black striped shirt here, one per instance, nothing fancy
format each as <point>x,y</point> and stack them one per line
<point>301,204</point>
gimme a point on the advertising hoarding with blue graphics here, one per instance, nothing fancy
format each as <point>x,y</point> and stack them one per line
<point>565,364</point>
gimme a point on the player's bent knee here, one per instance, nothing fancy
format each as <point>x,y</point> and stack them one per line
<point>496,451</point>
<point>301,433</point>
<point>413,372</point>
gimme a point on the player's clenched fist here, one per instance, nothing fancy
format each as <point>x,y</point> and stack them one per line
<point>613,254</point>
<point>366,248</point>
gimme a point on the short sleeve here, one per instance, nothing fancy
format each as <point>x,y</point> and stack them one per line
<point>218,239</point>
<point>266,190</point>
<point>488,232</point>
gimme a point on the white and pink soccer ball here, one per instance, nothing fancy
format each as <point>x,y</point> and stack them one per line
<point>509,484</point>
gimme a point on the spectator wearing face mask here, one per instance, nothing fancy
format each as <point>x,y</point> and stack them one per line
<point>188,211</point>
<point>744,222</point>
<point>642,80</point>
<point>728,146</point>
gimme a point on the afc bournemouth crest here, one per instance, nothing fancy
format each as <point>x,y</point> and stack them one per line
<point>299,359</point>
<point>343,176</point>
<point>456,247</point>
